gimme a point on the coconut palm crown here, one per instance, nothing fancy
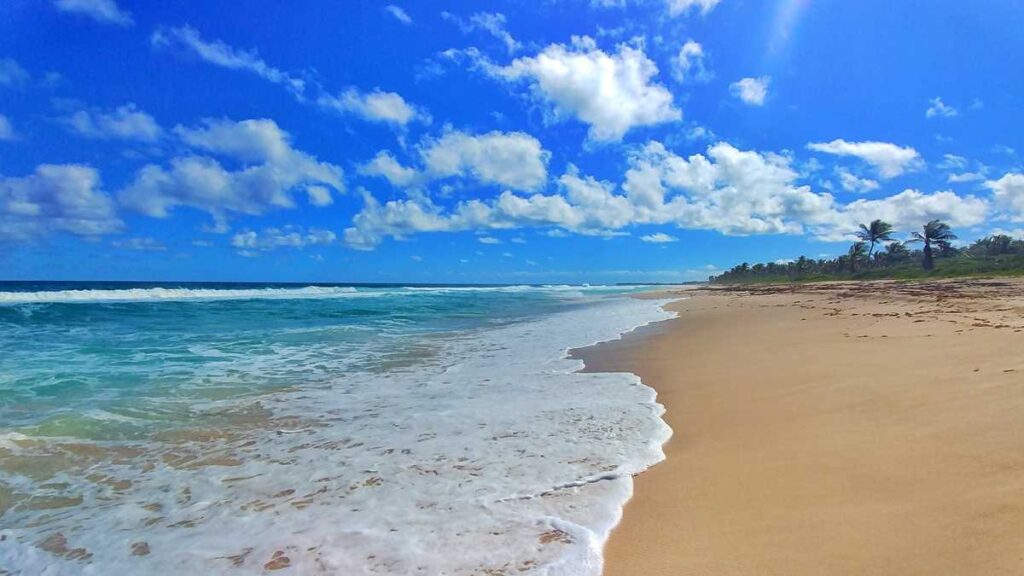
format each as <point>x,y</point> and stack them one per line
<point>935,232</point>
<point>877,231</point>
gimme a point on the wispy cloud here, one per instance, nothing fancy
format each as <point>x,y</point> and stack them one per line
<point>398,13</point>
<point>102,11</point>
<point>376,105</point>
<point>216,52</point>
<point>938,108</point>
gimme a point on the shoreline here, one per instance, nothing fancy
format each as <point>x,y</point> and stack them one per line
<point>846,428</point>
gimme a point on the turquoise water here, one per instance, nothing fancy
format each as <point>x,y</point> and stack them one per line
<point>173,415</point>
<point>116,363</point>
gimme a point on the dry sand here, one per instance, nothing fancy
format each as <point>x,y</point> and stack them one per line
<point>832,429</point>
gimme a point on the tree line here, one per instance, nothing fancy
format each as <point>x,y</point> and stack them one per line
<point>876,254</point>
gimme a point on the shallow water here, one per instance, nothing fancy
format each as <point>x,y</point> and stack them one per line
<point>369,430</point>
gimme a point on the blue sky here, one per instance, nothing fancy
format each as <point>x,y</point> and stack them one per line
<point>557,141</point>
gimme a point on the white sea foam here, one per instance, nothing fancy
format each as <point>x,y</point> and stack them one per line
<point>172,294</point>
<point>494,454</point>
<point>306,292</point>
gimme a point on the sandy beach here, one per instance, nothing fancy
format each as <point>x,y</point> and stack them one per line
<point>869,428</point>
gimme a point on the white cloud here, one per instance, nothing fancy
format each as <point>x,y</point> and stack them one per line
<point>888,159</point>
<point>510,159</point>
<point>398,13</point>
<point>375,106</point>
<point>752,91</point>
<point>952,162</point>
<point>513,159</point>
<point>268,171</point>
<point>6,129</point>
<point>612,93</point>
<point>852,183</point>
<point>488,240</point>
<point>55,198</point>
<point>11,73</point>
<point>939,108</point>
<point>102,11</point>
<point>494,24</point>
<point>965,177</point>
<point>725,189</point>
<point>491,22</point>
<point>285,237</point>
<point>659,238</point>
<point>145,244</point>
<point>957,168</point>
<point>221,54</point>
<point>1017,233</point>
<point>677,7</point>
<point>908,211</point>
<point>319,196</point>
<point>1008,193</point>
<point>386,166</point>
<point>124,123</point>
<point>688,64</point>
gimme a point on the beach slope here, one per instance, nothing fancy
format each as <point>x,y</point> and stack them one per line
<point>831,429</point>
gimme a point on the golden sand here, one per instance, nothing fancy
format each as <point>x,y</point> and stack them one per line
<point>832,429</point>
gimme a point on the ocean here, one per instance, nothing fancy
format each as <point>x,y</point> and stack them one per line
<point>245,428</point>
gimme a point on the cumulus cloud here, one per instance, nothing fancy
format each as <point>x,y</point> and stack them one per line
<point>659,238</point>
<point>386,166</point>
<point>11,73</point>
<point>6,129</point>
<point>218,53</point>
<point>908,211</point>
<point>688,65</point>
<point>398,13</point>
<point>889,160</point>
<point>611,92</point>
<point>752,91</point>
<point>102,11</point>
<point>126,122</point>
<point>375,106</point>
<point>725,189</point>
<point>266,171</point>
<point>488,240</point>
<point>284,237</point>
<point>513,159</point>
<point>510,159</point>
<point>56,198</point>
<point>1008,193</point>
<point>938,108</point>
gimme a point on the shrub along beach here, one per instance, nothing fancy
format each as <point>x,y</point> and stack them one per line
<point>876,255</point>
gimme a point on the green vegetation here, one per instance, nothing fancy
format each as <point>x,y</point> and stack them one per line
<point>998,255</point>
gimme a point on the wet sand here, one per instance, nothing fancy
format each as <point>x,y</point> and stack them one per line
<point>869,428</point>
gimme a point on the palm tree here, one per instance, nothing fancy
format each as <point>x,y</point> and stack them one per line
<point>856,254</point>
<point>896,251</point>
<point>936,232</point>
<point>877,231</point>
